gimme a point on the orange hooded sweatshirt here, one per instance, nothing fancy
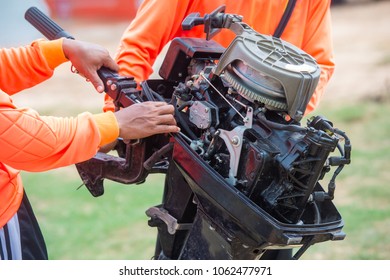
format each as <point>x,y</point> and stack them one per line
<point>157,22</point>
<point>32,142</point>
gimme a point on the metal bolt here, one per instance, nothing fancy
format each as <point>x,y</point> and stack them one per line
<point>235,140</point>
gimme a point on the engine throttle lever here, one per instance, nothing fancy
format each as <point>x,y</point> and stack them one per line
<point>212,22</point>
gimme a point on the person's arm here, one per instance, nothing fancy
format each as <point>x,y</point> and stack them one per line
<point>32,142</point>
<point>318,43</point>
<point>29,141</point>
<point>155,24</point>
<point>24,67</point>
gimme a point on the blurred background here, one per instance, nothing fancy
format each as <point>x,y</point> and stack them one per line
<point>114,226</point>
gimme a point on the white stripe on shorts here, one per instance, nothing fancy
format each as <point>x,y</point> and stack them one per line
<point>12,239</point>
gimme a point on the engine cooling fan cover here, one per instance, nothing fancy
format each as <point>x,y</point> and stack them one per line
<point>271,71</point>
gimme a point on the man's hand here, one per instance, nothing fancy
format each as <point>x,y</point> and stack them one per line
<point>141,120</point>
<point>87,58</point>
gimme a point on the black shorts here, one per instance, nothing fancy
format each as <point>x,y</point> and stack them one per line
<point>21,238</point>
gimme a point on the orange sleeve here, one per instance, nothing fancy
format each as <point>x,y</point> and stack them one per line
<point>319,44</point>
<point>27,66</point>
<point>32,142</point>
<point>146,36</point>
<point>108,127</point>
<point>53,52</point>
<point>35,143</point>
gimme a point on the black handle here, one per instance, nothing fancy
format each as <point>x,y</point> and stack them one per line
<point>191,20</point>
<point>212,22</point>
<point>45,25</point>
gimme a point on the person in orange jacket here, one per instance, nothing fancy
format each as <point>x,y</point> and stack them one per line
<point>32,142</point>
<point>158,22</point>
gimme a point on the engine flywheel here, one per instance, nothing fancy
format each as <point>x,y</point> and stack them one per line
<point>271,71</point>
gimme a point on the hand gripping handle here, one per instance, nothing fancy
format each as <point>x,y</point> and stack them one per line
<point>52,31</point>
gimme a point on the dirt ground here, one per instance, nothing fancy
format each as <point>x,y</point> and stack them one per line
<point>361,41</point>
<point>362,51</point>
